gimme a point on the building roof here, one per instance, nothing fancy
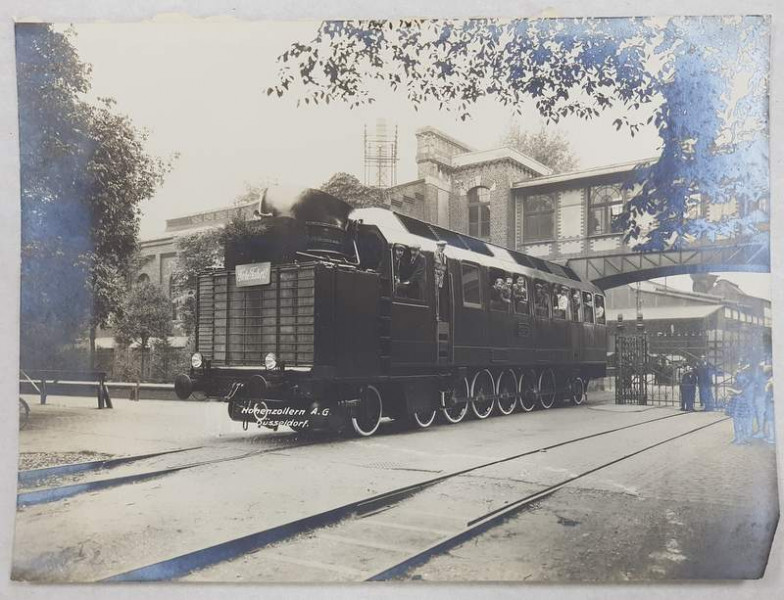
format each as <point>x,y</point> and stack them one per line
<point>668,313</point>
<point>505,153</point>
<point>582,174</point>
<point>657,288</point>
<point>447,137</point>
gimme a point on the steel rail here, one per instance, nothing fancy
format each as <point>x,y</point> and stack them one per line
<point>32,476</point>
<point>46,495</point>
<point>495,517</point>
<point>181,565</point>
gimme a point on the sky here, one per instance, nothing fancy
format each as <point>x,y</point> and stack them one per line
<point>198,88</point>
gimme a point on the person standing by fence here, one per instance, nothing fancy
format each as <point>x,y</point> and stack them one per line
<point>688,389</point>
<point>704,373</point>
<point>759,400</point>
<point>769,426</point>
<point>740,408</point>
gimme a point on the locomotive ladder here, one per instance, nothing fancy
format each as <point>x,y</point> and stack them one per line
<point>443,341</point>
<point>385,324</point>
<point>443,328</point>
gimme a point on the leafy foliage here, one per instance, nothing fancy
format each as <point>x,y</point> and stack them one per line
<point>84,171</point>
<point>686,70</point>
<point>349,189</point>
<point>549,148</point>
<point>204,250</point>
<point>195,253</point>
<point>146,314</point>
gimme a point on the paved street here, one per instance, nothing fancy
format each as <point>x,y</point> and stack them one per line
<point>650,494</point>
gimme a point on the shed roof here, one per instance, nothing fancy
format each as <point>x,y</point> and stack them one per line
<point>665,313</point>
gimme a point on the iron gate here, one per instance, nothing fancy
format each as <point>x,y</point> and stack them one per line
<point>631,355</point>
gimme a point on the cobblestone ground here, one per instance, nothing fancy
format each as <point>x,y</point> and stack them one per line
<point>698,508</point>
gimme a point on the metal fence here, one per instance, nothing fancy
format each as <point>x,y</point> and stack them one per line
<point>649,367</point>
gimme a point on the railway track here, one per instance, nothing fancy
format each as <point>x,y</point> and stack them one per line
<point>32,495</point>
<point>362,527</point>
<point>32,482</point>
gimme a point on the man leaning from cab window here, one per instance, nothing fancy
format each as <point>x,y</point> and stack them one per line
<point>413,281</point>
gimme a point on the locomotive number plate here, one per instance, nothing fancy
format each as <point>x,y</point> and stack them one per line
<point>253,274</point>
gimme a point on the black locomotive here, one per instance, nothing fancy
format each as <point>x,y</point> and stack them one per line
<point>330,317</point>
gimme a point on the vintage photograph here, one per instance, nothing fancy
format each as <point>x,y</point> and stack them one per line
<point>409,300</point>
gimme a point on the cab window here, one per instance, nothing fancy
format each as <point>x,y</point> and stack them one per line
<point>587,307</point>
<point>560,301</point>
<point>542,299</point>
<point>410,273</point>
<point>520,295</point>
<point>599,307</point>
<point>576,305</point>
<point>472,291</point>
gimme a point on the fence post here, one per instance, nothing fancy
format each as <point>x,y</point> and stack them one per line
<point>100,392</point>
<point>43,391</point>
<point>106,396</point>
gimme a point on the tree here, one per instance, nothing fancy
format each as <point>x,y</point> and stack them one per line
<point>203,250</point>
<point>687,71</point>
<point>146,314</point>
<point>195,253</point>
<point>84,171</point>
<point>349,189</point>
<point>121,175</point>
<point>549,148</point>
<point>53,146</point>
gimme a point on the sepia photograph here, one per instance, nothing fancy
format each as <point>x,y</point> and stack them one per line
<point>411,300</point>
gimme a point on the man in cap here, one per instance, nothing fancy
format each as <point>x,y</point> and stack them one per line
<point>520,295</point>
<point>415,281</point>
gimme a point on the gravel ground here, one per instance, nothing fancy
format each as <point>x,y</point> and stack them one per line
<point>39,460</point>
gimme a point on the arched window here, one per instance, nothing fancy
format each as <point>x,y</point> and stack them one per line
<point>143,278</point>
<point>479,212</point>
<point>606,204</point>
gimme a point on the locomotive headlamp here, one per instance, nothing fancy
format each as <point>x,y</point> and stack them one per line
<point>270,361</point>
<point>197,360</point>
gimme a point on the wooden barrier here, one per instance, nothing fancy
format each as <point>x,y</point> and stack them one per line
<point>43,377</point>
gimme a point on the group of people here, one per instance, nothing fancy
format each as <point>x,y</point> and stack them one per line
<point>409,272</point>
<point>751,404</point>
<point>506,290</point>
<point>751,398</point>
<point>694,378</point>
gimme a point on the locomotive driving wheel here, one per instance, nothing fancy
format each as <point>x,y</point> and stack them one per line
<point>528,391</point>
<point>367,415</point>
<point>482,395</point>
<point>547,388</point>
<point>457,412</point>
<point>507,392</point>
<point>423,419</point>
<point>577,391</point>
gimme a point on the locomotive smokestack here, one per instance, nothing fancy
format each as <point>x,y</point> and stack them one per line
<point>292,221</point>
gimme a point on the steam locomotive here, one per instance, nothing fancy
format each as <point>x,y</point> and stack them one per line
<point>325,316</point>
